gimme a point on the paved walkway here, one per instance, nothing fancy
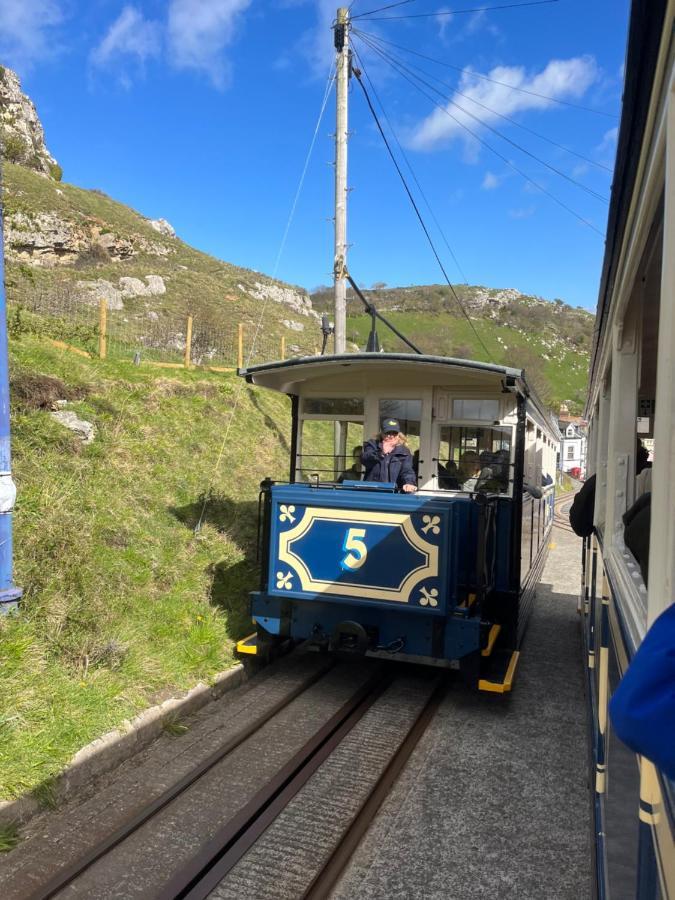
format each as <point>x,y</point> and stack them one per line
<point>494,802</point>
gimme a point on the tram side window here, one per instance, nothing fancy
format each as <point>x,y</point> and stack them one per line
<point>471,458</point>
<point>331,440</point>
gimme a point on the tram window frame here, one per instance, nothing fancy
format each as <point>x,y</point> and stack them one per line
<point>303,474</point>
<point>505,427</point>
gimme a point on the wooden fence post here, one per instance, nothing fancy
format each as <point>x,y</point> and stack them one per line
<point>188,343</point>
<point>240,350</point>
<point>102,328</point>
<point>283,346</point>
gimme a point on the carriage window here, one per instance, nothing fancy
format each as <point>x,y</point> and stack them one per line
<point>331,450</point>
<point>474,459</point>
<point>333,406</point>
<point>483,410</point>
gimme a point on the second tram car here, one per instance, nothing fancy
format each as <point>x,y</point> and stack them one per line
<point>444,576</point>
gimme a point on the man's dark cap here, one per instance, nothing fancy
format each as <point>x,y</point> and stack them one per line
<point>389,425</point>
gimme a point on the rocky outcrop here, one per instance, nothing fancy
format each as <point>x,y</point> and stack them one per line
<point>94,291</point>
<point>297,300</point>
<point>43,238</point>
<point>47,239</point>
<point>21,134</point>
<point>163,227</point>
<point>134,287</point>
<point>293,326</point>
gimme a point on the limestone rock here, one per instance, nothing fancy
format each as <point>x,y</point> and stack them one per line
<point>298,301</point>
<point>21,133</point>
<point>94,291</point>
<point>294,326</point>
<point>83,429</point>
<point>118,248</point>
<point>163,227</point>
<point>43,238</point>
<point>134,287</point>
<point>155,284</point>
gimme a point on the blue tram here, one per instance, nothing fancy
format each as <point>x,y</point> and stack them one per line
<point>444,576</point>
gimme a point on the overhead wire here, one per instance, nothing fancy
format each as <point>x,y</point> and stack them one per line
<point>484,77</point>
<point>412,171</point>
<point>282,246</point>
<point>499,134</point>
<point>417,211</point>
<point>380,8</point>
<point>482,141</point>
<point>489,109</point>
<point>240,387</point>
<point>452,12</point>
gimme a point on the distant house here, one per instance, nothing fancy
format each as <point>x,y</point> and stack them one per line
<point>572,455</point>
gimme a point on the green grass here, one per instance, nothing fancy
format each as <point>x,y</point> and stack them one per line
<point>122,600</point>
<point>563,377</point>
<point>9,837</point>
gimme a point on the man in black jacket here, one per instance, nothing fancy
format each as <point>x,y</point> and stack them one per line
<point>387,459</point>
<point>583,509</point>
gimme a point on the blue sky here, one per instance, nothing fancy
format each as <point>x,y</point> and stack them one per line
<point>202,111</point>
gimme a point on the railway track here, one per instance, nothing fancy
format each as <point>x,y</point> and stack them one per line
<point>561,511</point>
<point>338,741</point>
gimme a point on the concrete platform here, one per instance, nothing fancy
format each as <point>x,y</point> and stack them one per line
<point>495,799</point>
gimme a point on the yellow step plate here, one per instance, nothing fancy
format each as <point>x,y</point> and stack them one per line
<point>501,687</point>
<point>248,644</point>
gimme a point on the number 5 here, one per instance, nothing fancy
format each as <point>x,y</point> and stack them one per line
<point>354,541</point>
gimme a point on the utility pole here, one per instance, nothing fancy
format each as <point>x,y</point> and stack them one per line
<point>341,36</point>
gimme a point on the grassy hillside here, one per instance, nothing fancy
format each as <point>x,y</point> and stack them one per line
<point>550,340</point>
<point>123,602</point>
<point>215,292</point>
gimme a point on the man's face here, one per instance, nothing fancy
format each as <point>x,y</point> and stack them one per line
<point>389,440</point>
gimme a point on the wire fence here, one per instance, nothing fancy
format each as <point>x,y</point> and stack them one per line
<point>157,337</point>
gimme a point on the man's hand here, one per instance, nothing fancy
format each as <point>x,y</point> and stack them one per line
<point>389,442</point>
<point>409,488</point>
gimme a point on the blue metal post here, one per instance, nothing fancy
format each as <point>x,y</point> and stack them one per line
<point>9,593</point>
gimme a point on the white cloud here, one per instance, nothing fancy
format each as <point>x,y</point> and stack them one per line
<point>490,181</point>
<point>479,21</point>
<point>27,31</point>
<point>522,213</point>
<point>444,21</point>
<point>199,32</point>
<point>130,35</point>
<point>561,79</point>
<point>316,43</point>
<point>609,139</point>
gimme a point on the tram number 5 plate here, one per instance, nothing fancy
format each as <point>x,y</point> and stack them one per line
<point>355,544</point>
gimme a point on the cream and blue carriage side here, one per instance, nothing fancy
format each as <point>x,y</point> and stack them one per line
<point>444,576</point>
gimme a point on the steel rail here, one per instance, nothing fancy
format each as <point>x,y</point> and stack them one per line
<point>334,866</point>
<point>558,520</point>
<point>211,864</point>
<point>69,873</point>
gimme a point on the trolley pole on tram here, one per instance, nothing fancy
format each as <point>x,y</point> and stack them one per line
<point>9,593</point>
<point>343,67</point>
